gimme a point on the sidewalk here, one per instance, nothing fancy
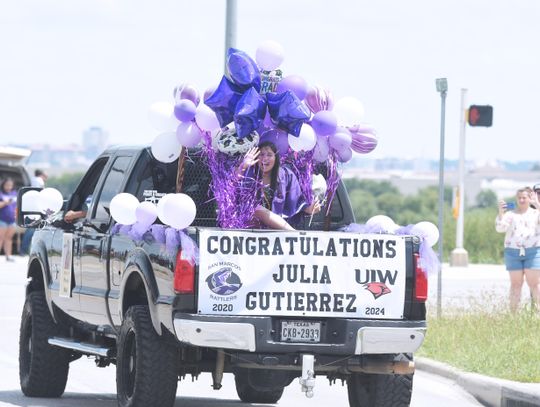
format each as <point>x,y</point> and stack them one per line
<point>490,391</point>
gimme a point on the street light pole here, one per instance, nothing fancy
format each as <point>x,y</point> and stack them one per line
<point>442,88</point>
<point>460,257</point>
<point>230,28</point>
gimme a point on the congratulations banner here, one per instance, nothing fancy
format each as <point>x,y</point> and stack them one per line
<point>315,274</point>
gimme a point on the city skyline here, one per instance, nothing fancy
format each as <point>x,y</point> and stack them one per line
<point>70,66</point>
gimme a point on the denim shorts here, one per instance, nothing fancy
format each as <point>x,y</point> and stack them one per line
<point>515,262</point>
<point>6,224</point>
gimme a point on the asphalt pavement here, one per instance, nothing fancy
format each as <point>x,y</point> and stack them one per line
<point>460,286</point>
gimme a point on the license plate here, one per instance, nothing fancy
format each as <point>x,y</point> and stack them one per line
<point>300,331</point>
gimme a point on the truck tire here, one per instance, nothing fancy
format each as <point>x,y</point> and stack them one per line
<point>379,390</point>
<point>251,394</point>
<point>146,372</point>
<point>43,369</point>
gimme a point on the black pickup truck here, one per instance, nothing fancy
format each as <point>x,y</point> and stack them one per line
<point>267,306</point>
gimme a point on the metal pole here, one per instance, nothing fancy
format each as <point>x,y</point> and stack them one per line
<point>230,29</point>
<point>460,219</point>
<point>442,87</point>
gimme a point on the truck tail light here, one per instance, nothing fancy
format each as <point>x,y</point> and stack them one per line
<point>184,275</point>
<point>420,280</point>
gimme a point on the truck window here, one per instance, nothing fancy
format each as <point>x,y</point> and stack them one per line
<point>83,194</point>
<point>152,175</point>
<point>111,186</point>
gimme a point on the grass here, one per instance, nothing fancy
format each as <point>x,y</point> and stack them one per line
<point>487,339</point>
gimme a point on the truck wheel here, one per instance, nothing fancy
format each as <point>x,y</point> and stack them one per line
<point>146,372</point>
<point>43,369</point>
<point>251,394</point>
<point>379,390</point>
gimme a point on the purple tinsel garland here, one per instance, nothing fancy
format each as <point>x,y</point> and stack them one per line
<point>236,199</point>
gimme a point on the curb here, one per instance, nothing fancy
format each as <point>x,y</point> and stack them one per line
<point>490,391</point>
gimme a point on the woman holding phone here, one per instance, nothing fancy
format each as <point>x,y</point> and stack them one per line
<point>521,244</point>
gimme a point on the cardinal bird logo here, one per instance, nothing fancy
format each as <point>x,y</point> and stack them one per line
<point>377,289</point>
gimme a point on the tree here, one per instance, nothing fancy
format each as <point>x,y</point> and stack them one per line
<point>486,199</point>
<point>65,183</point>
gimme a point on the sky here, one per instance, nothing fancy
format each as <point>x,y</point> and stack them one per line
<point>68,65</point>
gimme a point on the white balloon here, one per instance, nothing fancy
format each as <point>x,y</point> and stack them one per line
<point>178,211</point>
<point>30,202</point>
<point>349,111</point>
<point>50,200</point>
<point>386,223</point>
<point>206,118</point>
<point>146,213</point>
<point>427,231</point>
<point>321,150</point>
<point>166,148</point>
<point>318,186</point>
<point>161,116</point>
<point>269,55</point>
<point>123,207</point>
<point>160,205</point>
<point>305,141</point>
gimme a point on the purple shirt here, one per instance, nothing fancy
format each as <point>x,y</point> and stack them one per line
<point>7,213</point>
<point>288,200</point>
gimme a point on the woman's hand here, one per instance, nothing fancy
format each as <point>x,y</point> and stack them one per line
<point>251,158</point>
<point>502,208</point>
<point>314,208</point>
<point>534,200</point>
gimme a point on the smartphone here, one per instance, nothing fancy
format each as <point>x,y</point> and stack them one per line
<point>510,206</point>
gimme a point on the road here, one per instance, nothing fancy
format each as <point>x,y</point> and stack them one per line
<point>89,386</point>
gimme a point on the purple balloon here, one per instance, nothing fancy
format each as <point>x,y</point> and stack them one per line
<point>363,128</point>
<point>185,110</point>
<point>363,143</point>
<point>188,134</point>
<point>287,111</point>
<point>186,91</point>
<point>223,101</point>
<point>280,139</point>
<point>324,123</point>
<point>242,69</point>
<point>295,84</point>
<point>208,92</point>
<point>344,155</point>
<point>341,140</point>
<point>319,98</point>
<point>249,113</point>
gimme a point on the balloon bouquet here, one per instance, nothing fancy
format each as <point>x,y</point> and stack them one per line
<point>254,103</point>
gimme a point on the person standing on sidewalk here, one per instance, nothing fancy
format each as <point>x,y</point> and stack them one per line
<point>521,244</point>
<point>8,204</point>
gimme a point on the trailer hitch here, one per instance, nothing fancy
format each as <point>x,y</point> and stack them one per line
<point>307,380</point>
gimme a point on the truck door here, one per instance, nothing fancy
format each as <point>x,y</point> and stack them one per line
<point>95,242</point>
<point>65,258</point>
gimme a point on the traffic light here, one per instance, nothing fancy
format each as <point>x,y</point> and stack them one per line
<point>480,115</point>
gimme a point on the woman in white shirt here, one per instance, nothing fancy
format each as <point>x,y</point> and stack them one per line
<point>521,244</point>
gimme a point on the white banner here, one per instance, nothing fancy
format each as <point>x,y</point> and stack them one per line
<point>314,274</point>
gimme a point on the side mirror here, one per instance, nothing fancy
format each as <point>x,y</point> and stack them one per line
<point>28,210</point>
